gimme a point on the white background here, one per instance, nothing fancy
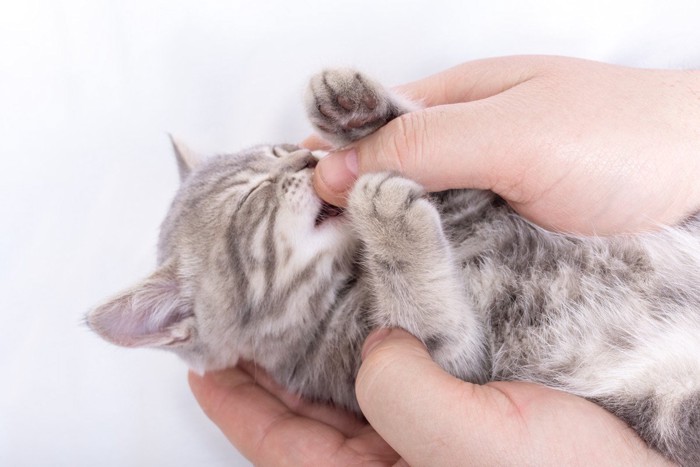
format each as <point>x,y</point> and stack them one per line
<point>88,91</point>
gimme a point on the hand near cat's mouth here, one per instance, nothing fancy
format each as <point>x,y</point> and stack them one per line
<point>326,212</point>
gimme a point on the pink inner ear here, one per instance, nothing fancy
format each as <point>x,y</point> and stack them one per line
<point>151,314</point>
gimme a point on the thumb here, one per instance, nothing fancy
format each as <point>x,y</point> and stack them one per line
<point>447,146</point>
<point>424,413</point>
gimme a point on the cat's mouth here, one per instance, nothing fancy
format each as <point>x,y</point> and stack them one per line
<point>326,212</point>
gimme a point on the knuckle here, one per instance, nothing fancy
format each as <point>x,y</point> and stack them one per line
<point>404,146</point>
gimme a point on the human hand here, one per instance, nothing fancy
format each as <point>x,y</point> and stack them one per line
<point>432,418</point>
<point>573,145</point>
<point>419,415</point>
<point>270,426</point>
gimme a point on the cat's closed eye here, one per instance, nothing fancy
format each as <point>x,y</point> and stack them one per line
<point>254,265</point>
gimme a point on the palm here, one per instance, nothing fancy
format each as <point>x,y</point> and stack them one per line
<point>518,422</point>
<point>272,427</point>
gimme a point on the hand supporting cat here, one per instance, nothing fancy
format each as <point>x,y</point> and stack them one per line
<point>254,266</point>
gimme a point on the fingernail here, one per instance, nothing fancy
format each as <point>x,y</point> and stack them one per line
<point>351,162</point>
<point>338,170</point>
<point>373,340</point>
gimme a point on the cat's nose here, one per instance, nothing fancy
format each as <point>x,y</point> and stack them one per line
<point>300,160</point>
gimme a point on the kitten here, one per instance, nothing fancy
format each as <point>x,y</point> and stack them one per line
<point>253,265</point>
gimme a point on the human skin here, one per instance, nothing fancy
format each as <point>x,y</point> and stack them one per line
<point>418,415</point>
<point>573,145</point>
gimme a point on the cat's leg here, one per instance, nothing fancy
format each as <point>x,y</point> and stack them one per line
<point>412,275</point>
<point>345,105</point>
<point>649,377</point>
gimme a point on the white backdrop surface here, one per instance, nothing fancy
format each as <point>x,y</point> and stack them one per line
<point>89,90</point>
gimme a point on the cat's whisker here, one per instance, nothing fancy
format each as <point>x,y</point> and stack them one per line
<point>254,266</point>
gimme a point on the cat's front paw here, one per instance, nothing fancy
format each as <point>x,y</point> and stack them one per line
<point>345,105</point>
<point>387,206</point>
<point>385,195</point>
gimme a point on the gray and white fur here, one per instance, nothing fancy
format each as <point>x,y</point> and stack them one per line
<point>253,265</point>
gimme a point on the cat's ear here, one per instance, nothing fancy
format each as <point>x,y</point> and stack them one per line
<point>187,159</point>
<point>151,314</point>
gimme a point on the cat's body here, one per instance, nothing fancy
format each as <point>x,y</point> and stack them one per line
<point>254,266</point>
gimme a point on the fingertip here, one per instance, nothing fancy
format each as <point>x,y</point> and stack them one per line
<point>390,351</point>
<point>204,390</point>
<point>334,176</point>
<point>212,386</point>
<point>314,142</point>
<point>328,195</point>
<point>198,382</point>
<point>193,377</point>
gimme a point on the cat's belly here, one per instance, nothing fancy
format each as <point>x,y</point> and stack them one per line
<point>600,346</point>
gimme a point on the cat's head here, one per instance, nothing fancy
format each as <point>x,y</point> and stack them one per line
<point>247,252</point>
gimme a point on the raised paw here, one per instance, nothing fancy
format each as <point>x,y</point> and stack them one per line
<point>384,195</point>
<point>386,205</point>
<point>344,105</point>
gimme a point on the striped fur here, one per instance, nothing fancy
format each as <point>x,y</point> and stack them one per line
<point>250,270</point>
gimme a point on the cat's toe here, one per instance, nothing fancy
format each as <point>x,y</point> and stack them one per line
<point>396,195</point>
<point>384,195</point>
<point>345,104</point>
<point>351,90</point>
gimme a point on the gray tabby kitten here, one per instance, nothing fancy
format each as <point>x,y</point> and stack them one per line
<point>253,265</point>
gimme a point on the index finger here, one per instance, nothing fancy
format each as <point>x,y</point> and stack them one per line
<point>475,80</point>
<point>315,142</point>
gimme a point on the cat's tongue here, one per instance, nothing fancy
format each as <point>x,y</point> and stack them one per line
<point>326,212</point>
